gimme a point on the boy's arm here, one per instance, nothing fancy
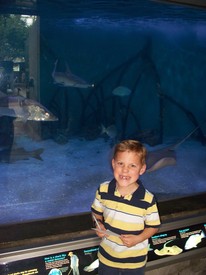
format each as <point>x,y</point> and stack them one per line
<point>147,233</point>
<point>131,240</point>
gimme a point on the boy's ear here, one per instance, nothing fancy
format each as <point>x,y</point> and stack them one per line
<point>143,169</point>
<point>113,163</point>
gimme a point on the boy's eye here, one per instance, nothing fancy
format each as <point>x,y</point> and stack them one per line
<point>119,163</point>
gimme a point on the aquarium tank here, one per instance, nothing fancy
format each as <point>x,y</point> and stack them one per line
<point>76,77</point>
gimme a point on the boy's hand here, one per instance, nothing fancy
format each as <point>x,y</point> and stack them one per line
<point>100,234</point>
<point>130,240</point>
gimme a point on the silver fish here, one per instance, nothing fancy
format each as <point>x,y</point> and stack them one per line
<point>24,109</point>
<point>67,79</point>
<point>20,153</point>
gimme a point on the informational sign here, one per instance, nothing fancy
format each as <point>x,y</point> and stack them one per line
<point>84,261</point>
<point>78,262</point>
<point>177,241</point>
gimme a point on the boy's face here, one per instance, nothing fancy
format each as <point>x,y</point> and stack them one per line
<point>127,168</point>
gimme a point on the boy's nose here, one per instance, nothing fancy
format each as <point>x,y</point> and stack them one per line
<point>125,168</point>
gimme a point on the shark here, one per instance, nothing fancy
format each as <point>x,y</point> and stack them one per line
<point>19,153</point>
<point>68,79</point>
<point>24,109</point>
<point>166,156</point>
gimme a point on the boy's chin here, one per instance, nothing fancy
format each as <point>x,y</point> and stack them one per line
<point>126,183</point>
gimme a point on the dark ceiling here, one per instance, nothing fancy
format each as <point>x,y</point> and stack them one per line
<point>109,8</point>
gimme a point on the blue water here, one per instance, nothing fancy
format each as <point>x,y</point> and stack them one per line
<point>158,52</point>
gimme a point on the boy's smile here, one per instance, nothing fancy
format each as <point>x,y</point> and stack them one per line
<point>127,168</point>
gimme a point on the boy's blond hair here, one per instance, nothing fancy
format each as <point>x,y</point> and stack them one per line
<point>133,146</point>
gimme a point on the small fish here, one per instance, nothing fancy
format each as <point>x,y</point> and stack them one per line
<point>67,79</point>
<point>24,109</point>
<point>16,154</point>
<point>92,266</point>
<point>110,131</point>
<point>121,91</point>
<point>193,240</point>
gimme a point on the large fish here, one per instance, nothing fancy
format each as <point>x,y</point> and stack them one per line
<point>24,109</point>
<point>19,153</point>
<point>166,156</point>
<point>67,79</point>
<point>160,158</point>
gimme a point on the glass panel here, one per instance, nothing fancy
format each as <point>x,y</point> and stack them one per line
<point>107,73</point>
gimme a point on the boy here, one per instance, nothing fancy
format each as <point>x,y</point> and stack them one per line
<point>126,208</point>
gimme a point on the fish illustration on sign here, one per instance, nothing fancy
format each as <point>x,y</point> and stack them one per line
<point>19,153</point>
<point>194,240</point>
<point>168,250</point>
<point>94,265</point>
<point>24,109</point>
<point>55,271</point>
<point>121,91</point>
<point>67,79</point>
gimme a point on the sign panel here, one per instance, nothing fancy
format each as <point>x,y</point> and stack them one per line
<point>177,241</point>
<point>82,261</point>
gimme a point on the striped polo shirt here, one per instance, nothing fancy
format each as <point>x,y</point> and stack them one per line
<point>124,215</point>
